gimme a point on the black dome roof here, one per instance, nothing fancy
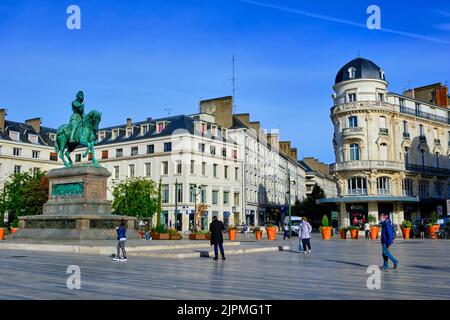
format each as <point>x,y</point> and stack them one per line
<point>364,69</point>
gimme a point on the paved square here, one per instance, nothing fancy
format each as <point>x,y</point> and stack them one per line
<point>335,269</point>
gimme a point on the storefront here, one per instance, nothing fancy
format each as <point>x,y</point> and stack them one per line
<point>357,214</point>
<point>226,218</point>
<point>250,217</point>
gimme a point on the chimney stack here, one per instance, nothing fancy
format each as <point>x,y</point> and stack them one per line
<point>35,123</point>
<point>129,123</point>
<point>3,113</point>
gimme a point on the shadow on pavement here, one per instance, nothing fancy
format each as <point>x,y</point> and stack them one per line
<point>349,263</point>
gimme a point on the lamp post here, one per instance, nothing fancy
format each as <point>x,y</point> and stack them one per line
<point>194,189</point>
<point>290,211</point>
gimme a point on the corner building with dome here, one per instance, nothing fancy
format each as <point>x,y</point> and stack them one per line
<point>391,150</point>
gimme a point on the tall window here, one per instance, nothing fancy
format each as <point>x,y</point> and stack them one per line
<point>405,127</point>
<point>417,109</point>
<point>357,186</point>
<point>436,155</point>
<point>406,154</point>
<point>150,148</point>
<point>212,149</point>
<point>383,186</point>
<point>134,151</point>
<point>236,199</point>
<point>225,172</point>
<point>380,97</point>
<point>17,169</point>
<point>165,167</point>
<point>351,97</point>
<point>236,173</point>
<point>17,152</point>
<point>203,194</point>
<point>215,197</point>
<point>352,122</point>
<point>131,170</point>
<point>201,147</point>
<point>226,197</point>
<point>407,186</point>
<point>148,169</point>
<point>203,168</point>
<point>421,131</point>
<point>192,192</point>
<point>224,152</point>
<point>119,153</point>
<point>116,172</point>
<point>382,122</point>
<point>422,155</point>
<point>439,188</point>
<point>354,151</point>
<point>35,154</point>
<point>165,193</point>
<point>215,165</point>
<point>179,167</point>
<point>424,188</point>
<point>192,166</point>
<point>179,192</point>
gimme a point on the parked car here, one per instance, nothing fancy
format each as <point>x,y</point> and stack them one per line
<point>295,224</point>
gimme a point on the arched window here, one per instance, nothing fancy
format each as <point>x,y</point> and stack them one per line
<point>384,185</point>
<point>351,73</point>
<point>354,151</point>
<point>382,74</point>
<point>383,151</point>
<point>357,186</point>
<point>424,188</point>
<point>407,187</point>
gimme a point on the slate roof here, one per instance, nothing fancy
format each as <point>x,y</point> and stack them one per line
<point>365,69</point>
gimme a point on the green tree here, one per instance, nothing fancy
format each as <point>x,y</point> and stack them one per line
<point>159,205</point>
<point>24,194</point>
<point>136,197</point>
<point>309,207</point>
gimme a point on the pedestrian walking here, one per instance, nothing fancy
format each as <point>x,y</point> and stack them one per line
<point>305,233</point>
<point>121,239</point>
<point>367,230</point>
<point>216,228</point>
<point>422,230</point>
<point>387,239</point>
<point>148,229</point>
<point>286,231</point>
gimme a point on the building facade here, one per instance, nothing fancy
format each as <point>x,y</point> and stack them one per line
<point>318,173</point>
<point>216,159</point>
<point>391,150</point>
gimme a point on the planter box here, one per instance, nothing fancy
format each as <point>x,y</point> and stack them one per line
<point>197,237</point>
<point>208,236</point>
<point>160,236</point>
<point>175,237</point>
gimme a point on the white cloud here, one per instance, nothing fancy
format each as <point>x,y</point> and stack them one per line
<point>443,26</point>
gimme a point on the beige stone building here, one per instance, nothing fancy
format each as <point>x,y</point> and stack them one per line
<point>391,150</point>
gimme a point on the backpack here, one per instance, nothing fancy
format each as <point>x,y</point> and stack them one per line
<point>394,233</point>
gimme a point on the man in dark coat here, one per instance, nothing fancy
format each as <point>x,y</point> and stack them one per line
<point>216,228</point>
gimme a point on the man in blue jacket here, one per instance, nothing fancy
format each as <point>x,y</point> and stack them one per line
<point>387,238</point>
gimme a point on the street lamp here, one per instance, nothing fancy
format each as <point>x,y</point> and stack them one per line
<point>290,211</point>
<point>194,192</point>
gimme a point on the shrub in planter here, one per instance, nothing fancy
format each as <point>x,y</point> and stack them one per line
<point>208,235</point>
<point>198,235</point>
<point>174,234</point>
<point>325,229</point>
<point>433,226</point>
<point>232,231</point>
<point>160,233</point>
<point>258,233</point>
<point>406,229</point>
<point>271,232</point>
<point>374,228</point>
<point>343,232</point>
<point>354,232</point>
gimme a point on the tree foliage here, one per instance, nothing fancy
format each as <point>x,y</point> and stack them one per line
<point>136,197</point>
<point>309,208</point>
<point>25,194</point>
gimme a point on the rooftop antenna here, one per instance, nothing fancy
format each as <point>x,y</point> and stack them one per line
<point>168,110</point>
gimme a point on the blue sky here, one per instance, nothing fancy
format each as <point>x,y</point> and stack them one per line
<point>136,58</point>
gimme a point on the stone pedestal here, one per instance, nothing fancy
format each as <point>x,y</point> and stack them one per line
<point>77,208</point>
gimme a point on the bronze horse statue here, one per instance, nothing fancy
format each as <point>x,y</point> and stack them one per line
<point>85,134</point>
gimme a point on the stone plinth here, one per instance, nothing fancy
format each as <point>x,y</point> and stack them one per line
<point>77,208</point>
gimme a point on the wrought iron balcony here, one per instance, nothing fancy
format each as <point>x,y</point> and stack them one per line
<point>434,171</point>
<point>367,164</point>
<point>406,135</point>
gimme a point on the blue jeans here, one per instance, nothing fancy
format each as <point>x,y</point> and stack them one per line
<point>216,251</point>
<point>386,256</point>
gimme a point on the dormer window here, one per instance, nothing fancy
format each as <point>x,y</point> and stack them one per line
<point>52,136</point>
<point>14,135</point>
<point>33,138</point>
<point>160,126</point>
<point>115,133</point>
<point>101,135</point>
<point>129,131</point>
<point>382,74</point>
<point>351,73</point>
<point>144,129</point>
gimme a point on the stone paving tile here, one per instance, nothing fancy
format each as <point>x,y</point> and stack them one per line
<point>334,270</point>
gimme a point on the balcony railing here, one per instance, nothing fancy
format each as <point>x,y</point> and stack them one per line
<point>434,171</point>
<point>367,164</point>
<point>383,192</point>
<point>353,130</point>
<point>406,135</point>
<point>425,115</point>
<point>357,192</point>
<point>384,131</point>
<point>423,139</point>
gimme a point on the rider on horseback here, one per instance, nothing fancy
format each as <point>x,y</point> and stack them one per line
<point>77,115</point>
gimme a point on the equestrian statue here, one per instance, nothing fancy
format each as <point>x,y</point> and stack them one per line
<point>80,131</point>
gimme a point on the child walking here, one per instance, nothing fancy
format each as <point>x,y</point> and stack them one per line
<point>121,239</point>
